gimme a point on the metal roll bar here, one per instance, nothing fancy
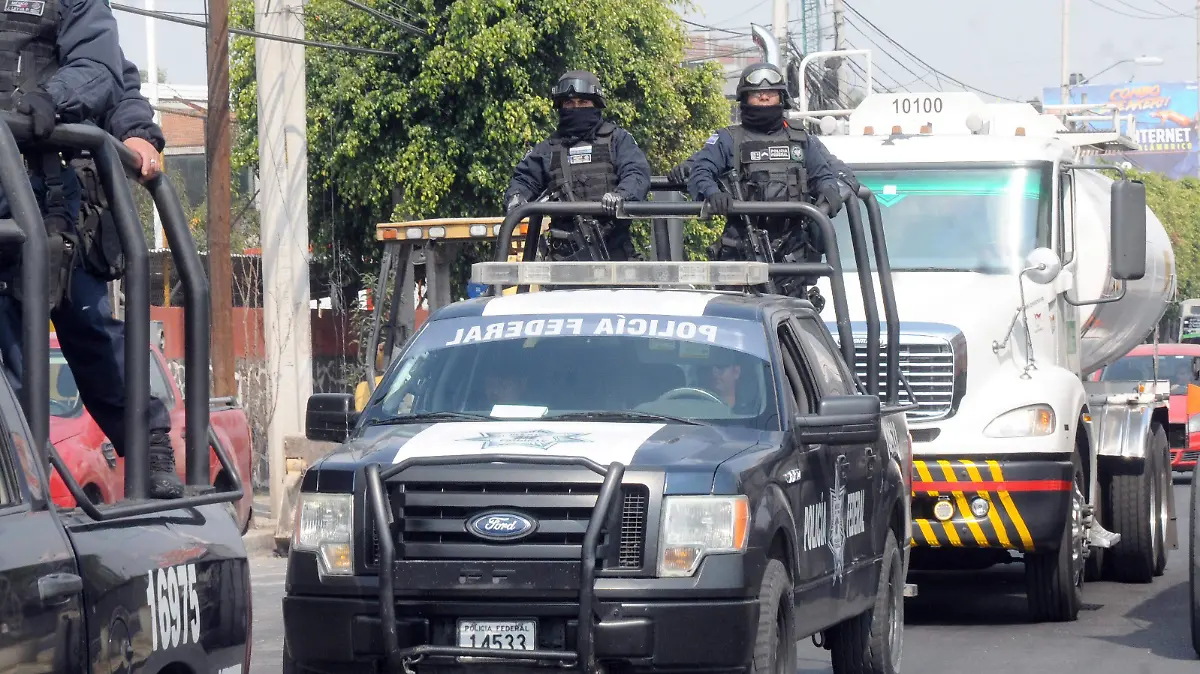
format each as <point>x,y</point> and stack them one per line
<point>114,162</point>
<point>832,268</point>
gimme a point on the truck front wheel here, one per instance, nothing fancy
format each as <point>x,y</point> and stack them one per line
<point>1054,580</point>
<point>873,642</point>
<point>775,644</point>
<point>1136,512</point>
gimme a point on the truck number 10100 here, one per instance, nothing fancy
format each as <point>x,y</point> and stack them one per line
<point>918,104</point>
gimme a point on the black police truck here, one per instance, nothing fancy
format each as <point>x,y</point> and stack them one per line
<point>141,585</point>
<point>647,466</point>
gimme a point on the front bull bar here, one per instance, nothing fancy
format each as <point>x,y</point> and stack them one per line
<point>381,517</point>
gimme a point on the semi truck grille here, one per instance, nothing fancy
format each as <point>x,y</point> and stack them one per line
<point>929,365</point>
<point>431,522</point>
<point>1177,436</point>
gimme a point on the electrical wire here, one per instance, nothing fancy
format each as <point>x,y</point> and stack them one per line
<point>1146,16</point>
<point>921,61</point>
<point>919,78</point>
<point>252,33</point>
<point>399,23</point>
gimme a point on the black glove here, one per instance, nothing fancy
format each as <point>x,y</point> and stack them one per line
<point>516,201</point>
<point>680,174</point>
<point>832,196</point>
<point>611,202</point>
<point>718,203</point>
<point>40,108</point>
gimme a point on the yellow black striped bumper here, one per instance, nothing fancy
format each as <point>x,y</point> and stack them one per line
<point>1027,501</point>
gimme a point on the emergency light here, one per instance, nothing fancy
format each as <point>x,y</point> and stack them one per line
<point>620,273</point>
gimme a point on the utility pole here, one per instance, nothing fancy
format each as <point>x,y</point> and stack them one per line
<point>152,80</point>
<point>839,43</point>
<point>216,150</point>
<point>1066,61</point>
<point>283,173</point>
<point>780,21</point>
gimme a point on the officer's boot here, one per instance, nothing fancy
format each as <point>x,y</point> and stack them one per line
<point>164,481</point>
<point>814,296</point>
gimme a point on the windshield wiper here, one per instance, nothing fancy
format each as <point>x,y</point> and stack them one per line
<point>429,416</point>
<point>615,415</point>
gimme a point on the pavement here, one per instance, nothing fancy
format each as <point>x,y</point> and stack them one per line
<point>260,538</point>
<point>969,622</point>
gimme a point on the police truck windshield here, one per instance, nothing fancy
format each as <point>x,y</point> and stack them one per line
<point>983,220</point>
<point>627,367</point>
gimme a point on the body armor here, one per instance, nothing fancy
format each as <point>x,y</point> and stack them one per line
<point>583,170</point>
<point>28,51</point>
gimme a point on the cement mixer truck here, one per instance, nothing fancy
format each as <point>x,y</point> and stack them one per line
<point>1019,267</point>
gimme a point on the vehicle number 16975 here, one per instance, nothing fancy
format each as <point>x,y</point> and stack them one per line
<point>506,635</point>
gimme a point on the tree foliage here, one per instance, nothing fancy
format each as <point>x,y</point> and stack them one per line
<point>436,132</point>
<point>1177,205</point>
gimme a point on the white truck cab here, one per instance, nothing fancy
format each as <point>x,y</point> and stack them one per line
<point>1019,269</point>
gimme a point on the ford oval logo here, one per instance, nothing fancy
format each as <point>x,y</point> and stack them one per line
<point>501,526</point>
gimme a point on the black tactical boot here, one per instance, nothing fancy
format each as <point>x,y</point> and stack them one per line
<point>814,296</point>
<point>164,481</point>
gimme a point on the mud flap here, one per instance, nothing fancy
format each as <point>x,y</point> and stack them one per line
<point>1172,532</point>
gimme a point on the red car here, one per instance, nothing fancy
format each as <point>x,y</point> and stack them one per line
<point>1177,363</point>
<point>91,458</point>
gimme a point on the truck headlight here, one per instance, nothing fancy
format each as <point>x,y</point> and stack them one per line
<point>1193,424</point>
<point>324,524</point>
<point>695,526</point>
<point>1023,422</point>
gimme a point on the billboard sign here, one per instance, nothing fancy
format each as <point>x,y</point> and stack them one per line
<point>1166,115</point>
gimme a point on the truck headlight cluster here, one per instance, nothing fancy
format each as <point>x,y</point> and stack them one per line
<point>1193,425</point>
<point>324,525</point>
<point>695,526</point>
<point>1023,422</point>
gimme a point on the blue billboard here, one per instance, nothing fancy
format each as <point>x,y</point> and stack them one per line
<point>1166,116</point>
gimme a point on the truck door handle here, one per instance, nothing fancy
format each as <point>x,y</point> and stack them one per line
<point>57,588</point>
<point>872,459</point>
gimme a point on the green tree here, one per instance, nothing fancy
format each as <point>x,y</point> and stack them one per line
<point>1177,205</point>
<point>436,131</point>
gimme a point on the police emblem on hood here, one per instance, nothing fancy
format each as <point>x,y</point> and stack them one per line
<point>539,439</point>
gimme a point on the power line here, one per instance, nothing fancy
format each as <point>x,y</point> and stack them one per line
<point>253,33</point>
<point>921,61</point>
<point>399,23</point>
<point>919,78</point>
<point>719,30</point>
<point>1146,15</point>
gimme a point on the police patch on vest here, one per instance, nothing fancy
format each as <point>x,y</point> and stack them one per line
<point>30,7</point>
<point>580,155</point>
<point>775,153</point>
<point>797,153</point>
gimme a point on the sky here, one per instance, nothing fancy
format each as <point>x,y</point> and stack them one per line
<point>1011,48</point>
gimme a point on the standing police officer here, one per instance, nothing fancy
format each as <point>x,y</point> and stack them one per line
<point>764,159</point>
<point>62,62</point>
<point>586,159</point>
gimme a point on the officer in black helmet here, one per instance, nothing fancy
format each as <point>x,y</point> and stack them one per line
<point>585,159</point>
<point>765,159</point>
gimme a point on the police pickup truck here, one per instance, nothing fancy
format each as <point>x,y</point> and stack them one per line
<point>633,474</point>
<point>139,585</point>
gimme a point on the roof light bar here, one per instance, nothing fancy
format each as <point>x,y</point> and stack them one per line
<point>620,273</point>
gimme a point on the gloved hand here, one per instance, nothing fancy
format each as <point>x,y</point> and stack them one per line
<point>40,108</point>
<point>611,202</point>
<point>516,201</point>
<point>718,203</point>
<point>832,196</point>
<point>680,174</point>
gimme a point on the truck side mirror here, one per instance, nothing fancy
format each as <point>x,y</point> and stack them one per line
<point>329,417</point>
<point>1128,237</point>
<point>842,420</point>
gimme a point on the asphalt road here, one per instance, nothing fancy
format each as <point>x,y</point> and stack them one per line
<point>974,622</point>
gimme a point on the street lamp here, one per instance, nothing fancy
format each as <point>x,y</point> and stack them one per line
<point>1078,80</point>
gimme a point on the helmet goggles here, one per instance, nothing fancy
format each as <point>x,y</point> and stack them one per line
<point>768,76</point>
<point>575,86</point>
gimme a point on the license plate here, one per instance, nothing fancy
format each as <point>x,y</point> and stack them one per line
<point>500,635</point>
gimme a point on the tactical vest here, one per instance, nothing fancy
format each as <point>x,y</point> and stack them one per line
<point>28,39</point>
<point>584,170</point>
<point>770,166</point>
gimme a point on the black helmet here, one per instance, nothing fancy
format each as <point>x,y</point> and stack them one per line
<point>762,77</point>
<point>579,83</point>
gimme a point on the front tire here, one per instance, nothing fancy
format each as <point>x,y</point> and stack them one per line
<point>1194,559</point>
<point>775,643</point>
<point>1054,580</point>
<point>873,642</point>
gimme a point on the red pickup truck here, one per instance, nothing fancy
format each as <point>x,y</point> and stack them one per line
<point>92,460</point>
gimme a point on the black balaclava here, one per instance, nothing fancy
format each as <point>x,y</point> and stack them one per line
<point>762,118</point>
<point>577,122</point>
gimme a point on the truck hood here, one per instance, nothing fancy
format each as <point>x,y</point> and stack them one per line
<point>673,447</point>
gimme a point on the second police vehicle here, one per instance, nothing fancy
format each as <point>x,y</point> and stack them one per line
<point>646,466</point>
